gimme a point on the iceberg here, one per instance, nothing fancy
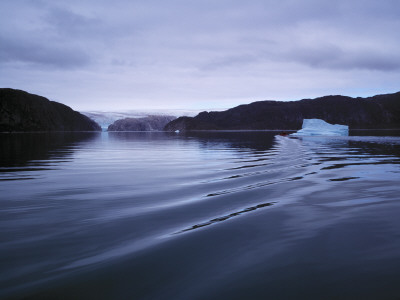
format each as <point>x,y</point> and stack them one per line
<point>320,127</point>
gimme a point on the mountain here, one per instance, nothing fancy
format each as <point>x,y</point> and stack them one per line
<point>22,111</point>
<point>106,118</point>
<point>377,112</point>
<point>150,123</point>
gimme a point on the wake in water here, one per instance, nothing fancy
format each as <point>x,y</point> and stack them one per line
<point>202,216</point>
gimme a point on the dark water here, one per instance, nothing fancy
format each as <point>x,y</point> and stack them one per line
<point>199,216</point>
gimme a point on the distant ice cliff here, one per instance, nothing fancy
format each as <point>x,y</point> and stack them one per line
<point>107,118</point>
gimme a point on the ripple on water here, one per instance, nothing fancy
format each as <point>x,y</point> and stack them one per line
<point>84,201</point>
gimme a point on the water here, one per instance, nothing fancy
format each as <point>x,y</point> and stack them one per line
<point>217,215</point>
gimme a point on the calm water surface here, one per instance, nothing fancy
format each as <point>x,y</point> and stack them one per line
<point>228,215</point>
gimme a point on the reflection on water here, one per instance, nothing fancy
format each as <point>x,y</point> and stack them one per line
<point>36,151</point>
<point>204,215</point>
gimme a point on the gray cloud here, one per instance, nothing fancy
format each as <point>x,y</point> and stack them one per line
<point>230,62</point>
<point>38,41</point>
<point>202,51</point>
<point>67,23</point>
<point>42,53</point>
<point>334,57</point>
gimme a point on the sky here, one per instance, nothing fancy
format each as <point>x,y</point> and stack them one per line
<point>203,54</point>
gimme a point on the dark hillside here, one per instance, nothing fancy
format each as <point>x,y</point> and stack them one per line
<point>22,111</point>
<point>378,112</point>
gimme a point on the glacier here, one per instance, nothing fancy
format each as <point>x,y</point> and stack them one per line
<point>320,127</point>
<point>105,119</point>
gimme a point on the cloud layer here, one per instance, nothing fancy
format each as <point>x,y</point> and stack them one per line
<point>197,54</point>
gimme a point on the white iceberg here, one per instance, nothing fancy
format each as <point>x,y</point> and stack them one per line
<point>320,127</point>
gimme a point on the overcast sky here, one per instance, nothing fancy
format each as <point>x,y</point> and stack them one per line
<point>128,54</point>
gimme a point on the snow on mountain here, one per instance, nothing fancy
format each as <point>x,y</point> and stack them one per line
<point>104,119</point>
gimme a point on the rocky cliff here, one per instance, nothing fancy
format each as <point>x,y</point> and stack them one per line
<point>150,123</point>
<point>21,111</point>
<point>378,112</point>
